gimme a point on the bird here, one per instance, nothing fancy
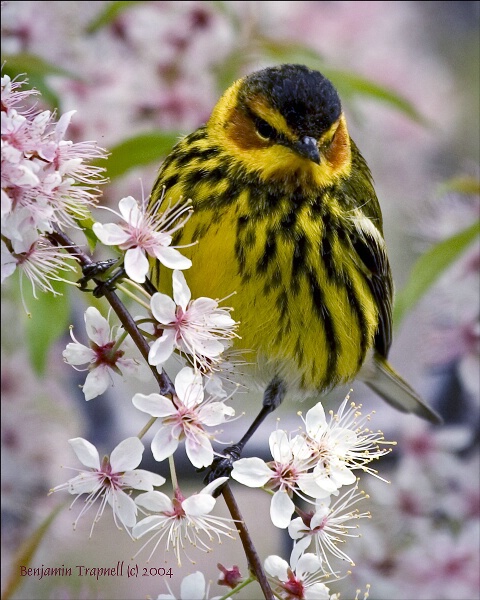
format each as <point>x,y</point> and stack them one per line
<point>285,215</point>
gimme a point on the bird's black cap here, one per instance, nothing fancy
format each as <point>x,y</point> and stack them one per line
<point>306,99</point>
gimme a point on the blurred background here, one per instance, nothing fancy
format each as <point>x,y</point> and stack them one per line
<point>141,74</point>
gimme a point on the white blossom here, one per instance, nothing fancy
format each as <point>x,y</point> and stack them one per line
<point>145,232</point>
<point>192,587</point>
<point>107,479</point>
<point>185,416</point>
<point>327,528</point>
<point>300,581</point>
<point>182,521</point>
<point>342,444</point>
<point>104,354</point>
<point>289,472</point>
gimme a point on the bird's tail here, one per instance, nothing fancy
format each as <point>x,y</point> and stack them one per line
<point>388,384</point>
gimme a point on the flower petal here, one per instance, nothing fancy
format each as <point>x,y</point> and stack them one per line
<point>214,413</point>
<point>171,257</point>
<point>127,455</point>
<point>98,329</point>
<point>210,347</point>
<point>129,210</point>
<point>147,525</point>
<point>163,308</point>
<point>154,404</point>
<point>85,483</point>
<point>139,479</point>
<point>315,421</point>
<point>199,449</point>
<point>340,474</point>
<point>86,452</point>
<point>277,567</point>
<point>321,511</point>
<point>181,291</point>
<point>323,480</point>
<point>78,354</point>
<point>307,563</point>
<point>155,501</point>
<point>252,472</point>
<point>205,305</point>
<point>220,320</point>
<point>132,367</point>
<point>193,586</point>
<point>110,234</point>
<point>213,485</point>
<point>198,504</point>
<point>300,448</point>
<point>162,349</point>
<point>307,482</point>
<point>281,509</point>
<point>189,387</point>
<point>317,591</point>
<point>96,383</point>
<point>280,447</point>
<point>124,507</point>
<point>297,529</point>
<point>164,444</point>
<point>299,548</point>
<point>136,264</point>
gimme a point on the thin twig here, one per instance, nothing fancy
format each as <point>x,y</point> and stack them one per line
<point>165,383</point>
<point>59,238</point>
<point>254,562</point>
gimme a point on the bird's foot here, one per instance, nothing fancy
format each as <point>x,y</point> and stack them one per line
<point>95,272</point>
<point>222,466</point>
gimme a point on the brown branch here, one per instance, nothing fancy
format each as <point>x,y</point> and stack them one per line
<point>59,238</point>
<point>254,562</point>
<point>165,383</point>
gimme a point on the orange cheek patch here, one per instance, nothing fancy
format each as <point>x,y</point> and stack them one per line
<point>338,153</point>
<point>240,131</point>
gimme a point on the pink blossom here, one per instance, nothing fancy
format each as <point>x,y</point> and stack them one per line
<point>184,417</point>
<point>104,355</point>
<point>199,328</point>
<point>144,233</point>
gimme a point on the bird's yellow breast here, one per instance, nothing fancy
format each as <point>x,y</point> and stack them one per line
<point>287,229</point>
<point>299,312</point>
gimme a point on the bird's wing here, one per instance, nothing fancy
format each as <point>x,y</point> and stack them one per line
<point>371,257</point>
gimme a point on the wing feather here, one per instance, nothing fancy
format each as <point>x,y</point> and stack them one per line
<point>370,252</point>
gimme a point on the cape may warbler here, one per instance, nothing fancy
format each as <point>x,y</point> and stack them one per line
<point>285,214</point>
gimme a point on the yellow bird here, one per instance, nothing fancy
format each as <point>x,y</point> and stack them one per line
<point>285,214</point>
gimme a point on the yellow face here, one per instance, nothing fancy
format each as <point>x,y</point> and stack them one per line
<point>257,135</point>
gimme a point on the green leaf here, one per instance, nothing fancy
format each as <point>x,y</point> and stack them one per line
<point>429,267</point>
<point>463,184</point>
<point>350,84</point>
<point>347,83</point>
<point>110,13</point>
<point>92,239</point>
<point>26,552</point>
<point>87,226</point>
<point>291,52</point>
<point>49,320</point>
<point>36,70</point>
<point>226,10</point>
<point>139,151</point>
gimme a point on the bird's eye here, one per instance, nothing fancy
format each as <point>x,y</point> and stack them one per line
<point>264,130</point>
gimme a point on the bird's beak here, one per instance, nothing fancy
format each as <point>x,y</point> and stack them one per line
<point>308,148</point>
